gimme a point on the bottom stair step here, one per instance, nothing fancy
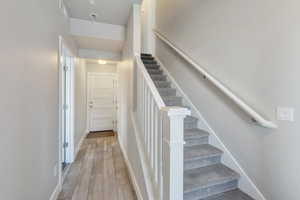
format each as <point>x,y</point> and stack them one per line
<point>231,195</point>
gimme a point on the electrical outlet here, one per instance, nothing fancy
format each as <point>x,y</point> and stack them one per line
<point>55,170</point>
<point>285,114</point>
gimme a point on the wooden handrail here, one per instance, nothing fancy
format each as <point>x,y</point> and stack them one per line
<point>256,117</point>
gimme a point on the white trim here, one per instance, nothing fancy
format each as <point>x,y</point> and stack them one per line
<point>60,107</point>
<point>70,91</point>
<point>71,150</point>
<point>87,103</point>
<point>258,118</point>
<point>70,137</point>
<point>131,174</point>
<point>120,113</point>
<point>56,192</point>
<point>245,182</point>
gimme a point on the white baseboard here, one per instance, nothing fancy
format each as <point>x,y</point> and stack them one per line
<point>131,174</point>
<point>245,182</point>
<point>56,192</point>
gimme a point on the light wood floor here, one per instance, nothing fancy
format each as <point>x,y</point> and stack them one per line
<point>99,173</point>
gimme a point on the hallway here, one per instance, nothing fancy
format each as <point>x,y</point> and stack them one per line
<point>99,172</point>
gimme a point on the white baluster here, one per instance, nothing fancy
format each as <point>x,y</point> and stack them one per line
<point>142,103</point>
<point>144,110</point>
<point>149,124</point>
<point>146,116</point>
<point>155,147</point>
<point>152,133</point>
<point>138,110</point>
<point>159,154</point>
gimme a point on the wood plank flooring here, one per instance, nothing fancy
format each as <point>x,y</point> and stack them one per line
<point>98,173</point>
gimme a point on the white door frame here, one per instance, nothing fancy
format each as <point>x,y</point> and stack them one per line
<point>64,51</point>
<point>88,94</point>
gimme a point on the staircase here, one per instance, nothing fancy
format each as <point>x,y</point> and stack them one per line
<point>205,177</point>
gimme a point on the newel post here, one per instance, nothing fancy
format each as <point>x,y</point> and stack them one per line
<point>173,149</point>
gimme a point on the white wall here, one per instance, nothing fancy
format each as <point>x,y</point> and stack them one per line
<point>29,100</point>
<point>126,132</point>
<point>147,25</point>
<point>97,30</point>
<point>253,48</point>
<point>80,102</point>
<point>107,68</point>
<point>144,25</point>
<point>95,54</point>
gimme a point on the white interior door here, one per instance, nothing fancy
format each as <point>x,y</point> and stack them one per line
<point>102,101</point>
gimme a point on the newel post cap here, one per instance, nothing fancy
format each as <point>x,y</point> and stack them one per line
<point>176,111</point>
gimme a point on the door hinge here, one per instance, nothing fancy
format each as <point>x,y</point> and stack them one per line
<point>66,145</point>
<point>66,68</point>
<point>65,107</point>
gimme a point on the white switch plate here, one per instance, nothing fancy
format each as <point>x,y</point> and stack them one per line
<point>285,114</point>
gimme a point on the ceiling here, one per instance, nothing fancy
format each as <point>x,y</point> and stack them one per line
<point>108,11</point>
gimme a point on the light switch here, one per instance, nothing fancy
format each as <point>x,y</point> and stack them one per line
<point>285,114</point>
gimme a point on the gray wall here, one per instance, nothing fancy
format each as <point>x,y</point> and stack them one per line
<point>29,99</point>
<point>253,48</point>
<point>80,101</point>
